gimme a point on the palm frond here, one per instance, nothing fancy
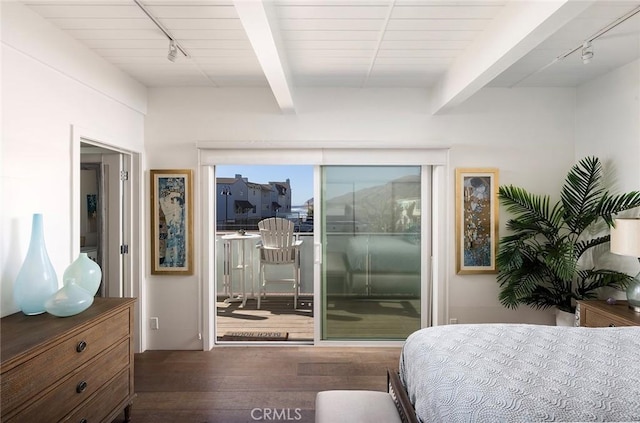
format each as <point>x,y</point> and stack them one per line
<point>585,245</point>
<point>610,205</point>
<point>591,279</point>
<point>581,194</point>
<point>560,258</point>
<point>529,208</point>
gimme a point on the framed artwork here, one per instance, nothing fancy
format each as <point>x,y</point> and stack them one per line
<point>172,222</point>
<point>476,220</point>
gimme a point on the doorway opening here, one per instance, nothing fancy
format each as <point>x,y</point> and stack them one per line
<point>245,196</point>
<point>103,204</point>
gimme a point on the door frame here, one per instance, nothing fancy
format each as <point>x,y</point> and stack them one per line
<point>130,218</point>
<point>212,153</point>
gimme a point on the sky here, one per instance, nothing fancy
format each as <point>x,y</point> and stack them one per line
<point>301,177</point>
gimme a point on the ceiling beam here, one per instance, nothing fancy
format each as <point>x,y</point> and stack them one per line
<point>263,37</point>
<point>514,33</point>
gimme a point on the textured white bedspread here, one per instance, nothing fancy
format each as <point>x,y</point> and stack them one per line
<point>523,373</point>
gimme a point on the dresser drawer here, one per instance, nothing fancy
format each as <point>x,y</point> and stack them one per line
<point>595,319</point>
<point>106,403</point>
<point>83,383</point>
<point>48,367</point>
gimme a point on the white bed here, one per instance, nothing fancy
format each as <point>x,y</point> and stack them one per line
<point>522,373</point>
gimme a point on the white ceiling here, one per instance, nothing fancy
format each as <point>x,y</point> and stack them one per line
<point>284,44</point>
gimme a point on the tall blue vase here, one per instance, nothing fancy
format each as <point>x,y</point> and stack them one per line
<point>36,281</point>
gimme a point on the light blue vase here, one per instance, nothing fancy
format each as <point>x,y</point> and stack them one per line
<point>85,272</point>
<point>71,299</point>
<point>36,281</point>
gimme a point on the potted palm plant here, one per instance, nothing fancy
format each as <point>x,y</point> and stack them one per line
<point>539,261</point>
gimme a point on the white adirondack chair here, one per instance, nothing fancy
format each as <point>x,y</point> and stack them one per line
<point>279,247</point>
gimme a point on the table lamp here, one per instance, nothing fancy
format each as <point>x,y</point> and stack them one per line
<point>625,240</point>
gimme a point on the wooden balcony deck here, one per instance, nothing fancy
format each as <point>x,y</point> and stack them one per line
<point>276,314</point>
<point>349,318</point>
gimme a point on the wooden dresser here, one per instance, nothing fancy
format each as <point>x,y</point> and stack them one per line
<point>76,369</point>
<point>600,314</point>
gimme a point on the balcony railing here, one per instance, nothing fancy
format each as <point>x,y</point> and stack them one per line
<point>306,266</point>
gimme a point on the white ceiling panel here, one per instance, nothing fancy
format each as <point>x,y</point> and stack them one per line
<point>221,52</point>
<point>437,25</point>
<point>157,43</point>
<point>342,43</point>
<point>196,34</point>
<point>424,45</point>
<point>99,24</point>
<point>330,35</point>
<point>441,62</point>
<point>126,34</point>
<point>331,44</point>
<point>453,12</point>
<point>398,35</point>
<point>201,24</point>
<point>88,11</point>
<point>331,24</point>
<point>346,12</point>
<point>179,11</point>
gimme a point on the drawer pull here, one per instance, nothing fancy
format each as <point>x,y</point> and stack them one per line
<point>81,387</point>
<point>83,421</point>
<point>81,346</point>
<point>611,325</point>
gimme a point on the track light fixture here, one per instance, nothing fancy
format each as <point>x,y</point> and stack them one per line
<point>173,51</point>
<point>174,47</point>
<point>587,52</point>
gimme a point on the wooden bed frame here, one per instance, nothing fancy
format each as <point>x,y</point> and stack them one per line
<point>400,397</point>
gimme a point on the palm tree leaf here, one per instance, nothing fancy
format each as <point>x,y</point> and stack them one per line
<point>560,258</point>
<point>591,279</point>
<point>582,246</point>
<point>543,298</point>
<point>611,205</point>
<point>581,194</point>
<point>528,208</point>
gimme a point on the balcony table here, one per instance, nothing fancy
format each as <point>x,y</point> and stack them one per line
<point>242,262</point>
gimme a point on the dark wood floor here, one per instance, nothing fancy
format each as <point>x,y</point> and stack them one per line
<point>248,384</point>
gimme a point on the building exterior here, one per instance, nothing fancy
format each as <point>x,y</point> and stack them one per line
<point>241,203</point>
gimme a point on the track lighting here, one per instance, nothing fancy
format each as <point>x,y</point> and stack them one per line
<point>587,52</point>
<point>174,46</point>
<point>173,51</point>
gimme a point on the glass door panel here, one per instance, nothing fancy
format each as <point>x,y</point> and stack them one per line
<point>371,260</point>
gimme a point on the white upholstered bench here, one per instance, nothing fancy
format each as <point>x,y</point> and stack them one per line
<point>354,406</point>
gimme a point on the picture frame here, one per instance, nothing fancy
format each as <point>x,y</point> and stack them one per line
<point>171,221</point>
<point>476,220</point>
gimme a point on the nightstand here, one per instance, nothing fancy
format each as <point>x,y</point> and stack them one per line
<point>598,313</point>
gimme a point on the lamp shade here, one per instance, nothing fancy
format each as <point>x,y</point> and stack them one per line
<point>625,237</point>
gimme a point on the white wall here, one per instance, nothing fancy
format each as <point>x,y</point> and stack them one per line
<point>50,82</point>
<point>526,133</point>
<point>608,126</point>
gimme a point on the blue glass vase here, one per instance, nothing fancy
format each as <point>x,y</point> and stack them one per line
<point>71,299</point>
<point>36,281</point>
<point>85,272</point>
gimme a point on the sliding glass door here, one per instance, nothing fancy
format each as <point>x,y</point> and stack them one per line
<point>371,256</point>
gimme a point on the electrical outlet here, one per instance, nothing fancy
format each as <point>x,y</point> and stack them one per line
<point>154,323</point>
<point>453,321</point>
